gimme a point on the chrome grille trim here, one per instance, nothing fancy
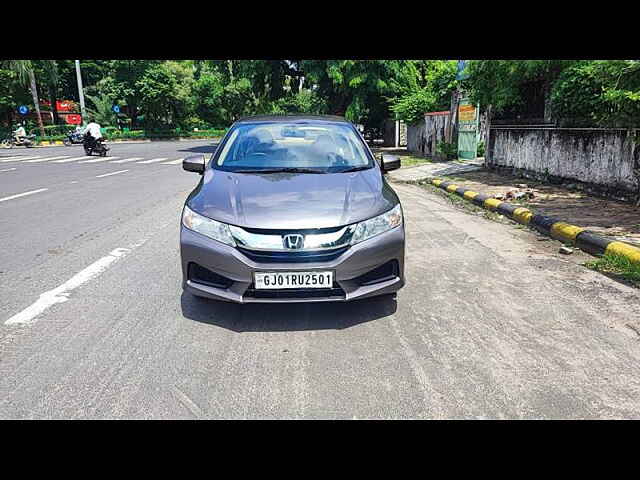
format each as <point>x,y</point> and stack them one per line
<point>274,242</point>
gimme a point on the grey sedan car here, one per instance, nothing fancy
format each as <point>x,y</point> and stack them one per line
<point>292,209</point>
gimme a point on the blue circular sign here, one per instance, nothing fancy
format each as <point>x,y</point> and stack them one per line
<point>116,108</point>
<point>23,109</point>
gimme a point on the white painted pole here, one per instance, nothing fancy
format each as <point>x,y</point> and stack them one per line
<point>81,94</point>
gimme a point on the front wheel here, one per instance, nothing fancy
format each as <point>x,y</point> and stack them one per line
<point>7,144</point>
<point>103,153</point>
<point>87,151</point>
<point>67,141</point>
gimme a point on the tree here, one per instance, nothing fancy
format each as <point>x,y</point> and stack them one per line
<point>102,112</point>
<point>49,69</point>
<point>165,93</point>
<point>601,92</point>
<point>514,87</point>
<point>24,69</point>
<point>360,90</point>
<point>425,87</point>
<point>121,82</point>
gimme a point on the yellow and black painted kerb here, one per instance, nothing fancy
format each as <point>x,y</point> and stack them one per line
<point>553,227</point>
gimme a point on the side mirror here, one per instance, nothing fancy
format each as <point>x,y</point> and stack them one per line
<point>194,163</point>
<point>390,162</point>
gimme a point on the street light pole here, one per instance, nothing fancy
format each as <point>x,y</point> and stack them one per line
<point>81,94</point>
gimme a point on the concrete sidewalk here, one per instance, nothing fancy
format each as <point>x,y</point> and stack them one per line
<point>436,169</point>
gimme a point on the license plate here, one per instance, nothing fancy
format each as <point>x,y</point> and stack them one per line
<point>280,280</point>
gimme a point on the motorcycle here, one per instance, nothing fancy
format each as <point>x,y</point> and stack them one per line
<point>26,141</point>
<point>73,138</point>
<point>98,146</point>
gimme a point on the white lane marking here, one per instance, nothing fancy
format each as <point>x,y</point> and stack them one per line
<point>17,159</point>
<point>173,162</point>
<point>8,170</point>
<point>61,294</point>
<point>46,159</point>
<point>112,173</point>
<point>101,159</point>
<point>153,160</point>
<point>23,194</point>
<point>73,159</point>
<point>125,160</point>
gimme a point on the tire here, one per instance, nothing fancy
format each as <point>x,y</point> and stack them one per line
<point>103,153</point>
<point>87,151</point>
<point>67,142</point>
<point>7,144</point>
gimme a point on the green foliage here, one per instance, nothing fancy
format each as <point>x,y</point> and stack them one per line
<point>412,107</point>
<point>617,265</point>
<point>306,101</point>
<point>448,150</point>
<point>599,92</point>
<point>481,149</point>
<point>102,111</point>
<point>427,88</point>
<point>163,95</point>
<point>58,129</point>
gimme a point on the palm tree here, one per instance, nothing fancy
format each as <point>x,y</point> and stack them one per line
<point>51,70</point>
<point>24,69</point>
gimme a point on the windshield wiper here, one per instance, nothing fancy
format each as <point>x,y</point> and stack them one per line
<point>280,170</point>
<point>354,169</point>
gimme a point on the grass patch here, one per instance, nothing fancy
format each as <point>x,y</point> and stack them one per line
<point>410,161</point>
<point>617,266</point>
<point>460,202</point>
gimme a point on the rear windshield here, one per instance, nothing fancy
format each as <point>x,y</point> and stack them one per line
<point>325,148</point>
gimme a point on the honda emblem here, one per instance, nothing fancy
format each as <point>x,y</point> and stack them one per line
<point>294,241</point>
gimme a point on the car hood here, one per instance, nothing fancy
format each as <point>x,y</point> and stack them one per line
<point>292,200</point>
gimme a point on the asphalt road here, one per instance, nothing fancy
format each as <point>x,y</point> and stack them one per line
<point>491,324</point>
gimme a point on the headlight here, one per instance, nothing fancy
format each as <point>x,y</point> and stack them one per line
<point>206,226</point>
<point>376,225</point>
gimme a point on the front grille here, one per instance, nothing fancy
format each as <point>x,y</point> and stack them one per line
<point>335,292</point>
<point>293,256</point>
<point>205,276</point>
<point>379,274</point>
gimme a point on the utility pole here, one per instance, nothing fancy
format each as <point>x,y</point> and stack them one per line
<point>81,94</point>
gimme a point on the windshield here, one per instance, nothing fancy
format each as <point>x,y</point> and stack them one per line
<point>306,148</point>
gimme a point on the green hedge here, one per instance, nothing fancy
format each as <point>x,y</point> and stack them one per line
<point>111,133</point>
<point>58,129</point>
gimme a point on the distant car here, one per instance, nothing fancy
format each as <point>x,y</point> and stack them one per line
<point>292,209</point>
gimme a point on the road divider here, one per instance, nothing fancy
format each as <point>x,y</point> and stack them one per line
<point>553,227</point>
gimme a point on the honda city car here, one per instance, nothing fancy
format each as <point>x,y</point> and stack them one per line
<point>292,209</point>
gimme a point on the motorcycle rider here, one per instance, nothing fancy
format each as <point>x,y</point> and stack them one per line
<point>20,134</point>
<point>92,133</point>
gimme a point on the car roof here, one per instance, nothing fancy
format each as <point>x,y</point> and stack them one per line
<point>293,118</point>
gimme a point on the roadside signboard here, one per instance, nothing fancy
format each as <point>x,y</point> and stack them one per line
<point>73,119</point>
<point>468,121</point>
<point>23,109</point>
<point>116,108</point>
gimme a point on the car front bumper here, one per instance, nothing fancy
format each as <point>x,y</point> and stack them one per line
<point>349,268</point>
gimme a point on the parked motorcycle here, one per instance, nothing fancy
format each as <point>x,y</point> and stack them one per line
<point>73,138</point>
<point>11,141</point>
<point>98,146</point>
